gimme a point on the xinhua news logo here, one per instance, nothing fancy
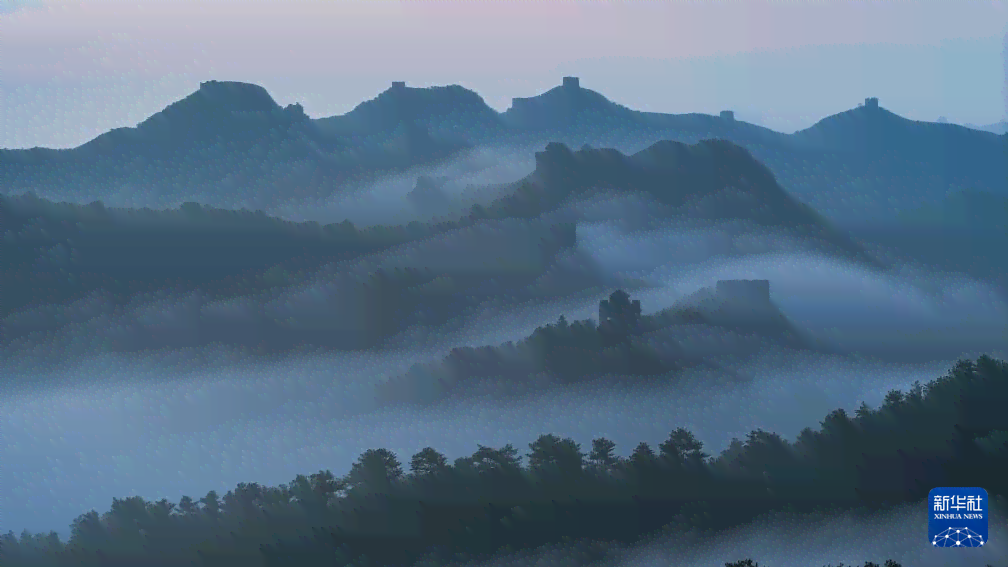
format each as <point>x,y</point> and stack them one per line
<point>958,517</point>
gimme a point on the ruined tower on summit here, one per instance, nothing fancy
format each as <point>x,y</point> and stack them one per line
<point>619,317</point>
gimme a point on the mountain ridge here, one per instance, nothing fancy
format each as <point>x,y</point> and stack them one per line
<point>405,104</point>
<point>228,141</point>
<point>711,180</point>
<point>862,164</point>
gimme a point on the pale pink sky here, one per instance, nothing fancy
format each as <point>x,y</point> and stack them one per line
<point>73,69</point>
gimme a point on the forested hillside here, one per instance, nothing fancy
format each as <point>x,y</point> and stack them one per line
<point>949,432</point>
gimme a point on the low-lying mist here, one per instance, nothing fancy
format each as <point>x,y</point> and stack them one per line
<point>788,540</point>
<point>168,423</point>
<point>86,425</point>
<point>468,179</point>
<point>902,309</point>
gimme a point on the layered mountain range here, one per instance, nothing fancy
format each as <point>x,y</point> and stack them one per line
<point>227,144</point>
<point>707,182</point>
<point>230,145</point>
<point>298,280</point>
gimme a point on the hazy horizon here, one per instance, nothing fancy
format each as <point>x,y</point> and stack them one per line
<point>84,68</point>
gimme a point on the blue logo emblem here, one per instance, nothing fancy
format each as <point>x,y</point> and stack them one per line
<point>957,517</point>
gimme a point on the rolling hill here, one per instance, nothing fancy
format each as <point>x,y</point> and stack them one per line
<point>228,144</point>
<point>451,112</point>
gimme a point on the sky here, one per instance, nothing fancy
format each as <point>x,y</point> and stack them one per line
<point>74,69</point>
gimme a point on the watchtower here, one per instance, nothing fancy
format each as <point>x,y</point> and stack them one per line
<point>571,83</point>
<point>728,115</point>
<point>398,85</point>
<point>618,315</point>
<point>871,103</point>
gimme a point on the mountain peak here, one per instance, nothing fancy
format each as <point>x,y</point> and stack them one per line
<point>431,107</point>
<point>563,106</point>
<point>215,100</point>
<point>447,95</point>
<point>870,128</point>
<point>235,96</point>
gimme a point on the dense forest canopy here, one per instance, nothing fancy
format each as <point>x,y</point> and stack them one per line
<point>951,431</point>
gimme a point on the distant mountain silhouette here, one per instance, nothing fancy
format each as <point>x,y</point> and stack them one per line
<point>712,180</point>
<point>451,112</point>
<point>872,132</point>
<point>568,106</point>
<point>996,128</point>
<point>228,142</point>
<point>862,165</point>
<point>881,163</point>
<point>580,116</point>
<point>230,145</point>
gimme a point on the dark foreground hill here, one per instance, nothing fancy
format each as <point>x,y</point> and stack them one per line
<point>951,431</point>
<point>228,144</point>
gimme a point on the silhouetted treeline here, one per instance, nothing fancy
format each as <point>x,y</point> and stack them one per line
<point>949,432</point>
<point>562,352</point>
<point>58,252</point>
<point>568,352</point>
